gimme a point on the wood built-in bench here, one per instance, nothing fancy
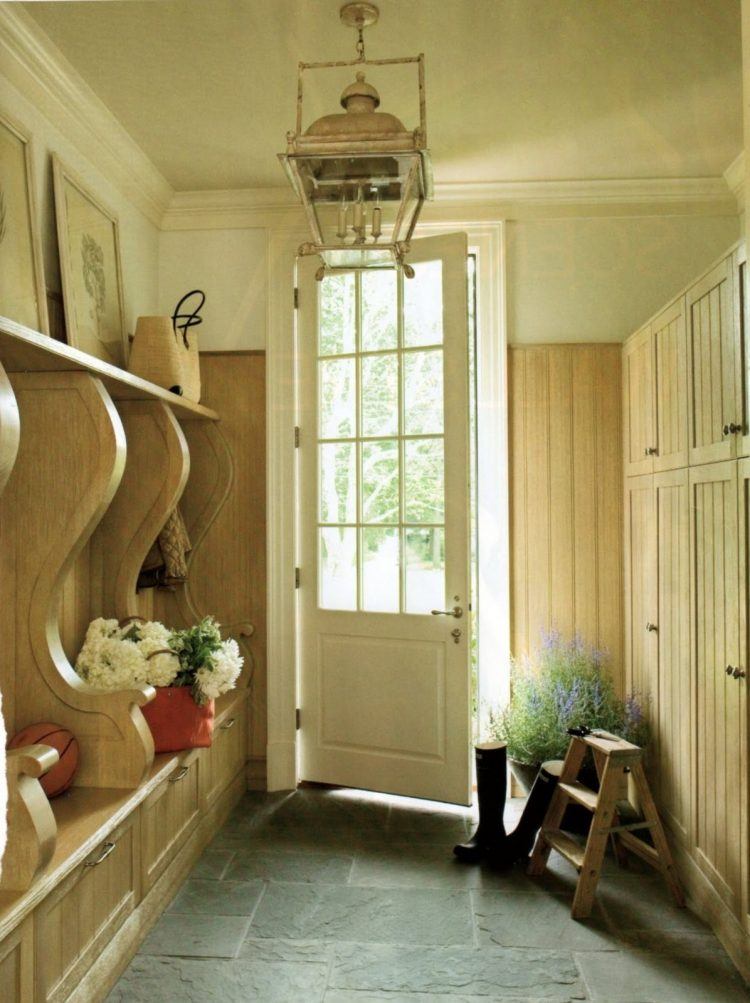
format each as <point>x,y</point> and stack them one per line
<point>92,461</point>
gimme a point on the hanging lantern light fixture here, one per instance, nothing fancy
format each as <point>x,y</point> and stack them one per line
<point>361,175</point>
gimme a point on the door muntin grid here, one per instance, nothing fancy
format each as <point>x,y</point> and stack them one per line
<point>381,449</point>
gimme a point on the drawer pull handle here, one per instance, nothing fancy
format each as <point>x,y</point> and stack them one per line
<point>106,850</point>
<point>180,774</point>
<point>229,724</point>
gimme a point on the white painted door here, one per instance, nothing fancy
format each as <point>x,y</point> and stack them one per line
<point>384,524</point>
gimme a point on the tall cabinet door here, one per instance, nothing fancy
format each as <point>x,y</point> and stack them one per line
<point>641,651</point>
<point>671,396</point>
<point>674,710</point>
<point>743,664</point>
<point>713,369</point>
<point>719,696</point>
<point>638,403</point>
<point>742,336</point>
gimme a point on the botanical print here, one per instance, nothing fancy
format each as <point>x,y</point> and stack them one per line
<point>18,293</point>
<point>92,287</point>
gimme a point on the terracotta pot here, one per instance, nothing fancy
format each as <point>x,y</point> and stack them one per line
<point>177,722</point>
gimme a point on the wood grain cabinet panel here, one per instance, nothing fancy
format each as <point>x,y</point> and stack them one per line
<point>639,426</point>
<point>719,695</point>
<point>713,366</point>
<point>743,489</point>
<point>226,757</point>
<point>168,815</point>
<point>671,388</point>
<point>641,647</point>
<point>80,917</point>
<point>742,335</point>
<point>17,965</point>
<point>673,713</point>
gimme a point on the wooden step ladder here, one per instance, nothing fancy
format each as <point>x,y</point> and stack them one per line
<point>614,816</point>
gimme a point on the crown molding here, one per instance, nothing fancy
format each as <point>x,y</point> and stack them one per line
<point>278,207</point>
<point>734,176</point>
<point>41,72</point>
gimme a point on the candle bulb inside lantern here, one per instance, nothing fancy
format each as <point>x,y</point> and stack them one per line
<point>376,221</point>
<point>341,232</point>
<point>359,216</point>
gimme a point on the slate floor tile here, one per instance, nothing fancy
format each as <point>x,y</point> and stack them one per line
<point>331,912</point>
<point>299,952</point>
<point>517,919</point>
<point>218,898</point>
<point>289,866</point>
<point>196,936</point>
<point>212,864</point>
<point>456,971</point>
<point>644,977</point>
<point>183,980</point>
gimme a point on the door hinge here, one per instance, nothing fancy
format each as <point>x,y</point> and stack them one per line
<point>296,298</point>
<point>296,436</point>
<point>296,578</point>
<point>297,716</point>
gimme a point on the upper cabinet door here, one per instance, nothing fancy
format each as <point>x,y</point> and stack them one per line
<point>670,367</point>
<point>742,340</point>
<point>638,403</point>
<point>713,367</point>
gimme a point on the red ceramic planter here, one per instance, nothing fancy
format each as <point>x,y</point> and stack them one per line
<point>177,722</point>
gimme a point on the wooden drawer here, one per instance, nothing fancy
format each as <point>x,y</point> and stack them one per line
<point>167,817</point>
<point>81,916</point>
<point>227,755</point>
<point>17,965</point>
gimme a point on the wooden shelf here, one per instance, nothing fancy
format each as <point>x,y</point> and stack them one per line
<point>24,350</point>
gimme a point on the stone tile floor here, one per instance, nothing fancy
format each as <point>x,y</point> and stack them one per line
<point>335,896</point>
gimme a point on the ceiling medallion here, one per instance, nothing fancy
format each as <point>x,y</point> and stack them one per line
<point>360,174</point>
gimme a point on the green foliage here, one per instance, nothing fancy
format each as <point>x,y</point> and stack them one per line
<point>564,685</point>
<point>194,647</point>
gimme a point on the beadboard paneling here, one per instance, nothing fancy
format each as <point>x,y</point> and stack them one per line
<point>566,494</point>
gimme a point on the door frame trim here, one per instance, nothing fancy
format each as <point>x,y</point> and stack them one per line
<point>488,240</point>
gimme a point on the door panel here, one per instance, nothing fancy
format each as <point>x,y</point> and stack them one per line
<point>383,528</point>
<point>718,698</point>
<point>742,334</point>
<point>670,362</point>
<point>674,717</point>
<point>638,403</point>
<point>743,489</point>
<point>641,647</point>
<point>713,366</point>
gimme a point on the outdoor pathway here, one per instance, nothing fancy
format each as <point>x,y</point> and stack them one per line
<point>334,896</point>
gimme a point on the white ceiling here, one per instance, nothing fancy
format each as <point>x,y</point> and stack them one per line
<point>516,89</point>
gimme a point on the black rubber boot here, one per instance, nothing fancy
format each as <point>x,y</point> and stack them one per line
<point>520,842</point>
<point>492,778</point>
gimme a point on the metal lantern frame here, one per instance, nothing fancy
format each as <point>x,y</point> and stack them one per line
<point>304,148</point>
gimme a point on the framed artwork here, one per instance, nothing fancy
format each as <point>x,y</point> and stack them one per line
<point>22,294</point>
<point>89,241</point>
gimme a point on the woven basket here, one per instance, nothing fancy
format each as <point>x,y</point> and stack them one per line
<point>161,355</point>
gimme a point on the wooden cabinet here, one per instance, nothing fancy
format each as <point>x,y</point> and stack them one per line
<point>638,403</point>
<point>714,364</point>
<point>167,816</point>
<point>670,379</point>
<point>673,712</point>
<point>743,490</point>
<point>80,917</point>
<point>17,965</point>
<point>742,322</point>
<point>719,692</point>
<point>227,755</point>
<point>641,650</point>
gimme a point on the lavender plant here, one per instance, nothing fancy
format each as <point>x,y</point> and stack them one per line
<point>564,684</point>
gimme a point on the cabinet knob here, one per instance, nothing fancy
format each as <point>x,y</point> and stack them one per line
<point>650,451</point>
<point>651,628</point>
<point>738,673</point>
<point>729,670</point>
<point>732,428</point>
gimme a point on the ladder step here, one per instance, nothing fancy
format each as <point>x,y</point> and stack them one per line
<point>580,793</point>
<point>566,846</point>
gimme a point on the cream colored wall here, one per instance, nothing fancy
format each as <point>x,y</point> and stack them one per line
<point>598,279</point>
<point>231,267</point>
<point>139,238</point>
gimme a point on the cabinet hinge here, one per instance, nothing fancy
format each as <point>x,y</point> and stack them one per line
<point>296,436</point>
<point>297,717</point>
<point>296,578</point>
<point>296,298</point>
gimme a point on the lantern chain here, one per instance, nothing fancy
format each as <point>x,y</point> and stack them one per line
<point>360,44</point>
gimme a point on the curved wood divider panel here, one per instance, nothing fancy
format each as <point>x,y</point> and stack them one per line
<point>10,427</point>
<point>70,461</point>
<point>32,831</point>
<point>156,470</point>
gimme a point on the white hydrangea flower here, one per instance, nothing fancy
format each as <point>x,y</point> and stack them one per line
<point>220,674</point>
<point>162,669</point>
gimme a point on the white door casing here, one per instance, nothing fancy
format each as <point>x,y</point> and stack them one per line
<point>385,695</point>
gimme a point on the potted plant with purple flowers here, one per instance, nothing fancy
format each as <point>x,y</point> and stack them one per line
<point>566,683</point>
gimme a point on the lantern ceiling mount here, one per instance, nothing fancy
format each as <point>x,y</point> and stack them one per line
<point>362,176</point>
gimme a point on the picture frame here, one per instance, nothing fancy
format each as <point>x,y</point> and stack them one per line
<point>23,296</point>
<point>88,235</point>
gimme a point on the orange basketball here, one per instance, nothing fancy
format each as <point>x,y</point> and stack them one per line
<point>60,777</point>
